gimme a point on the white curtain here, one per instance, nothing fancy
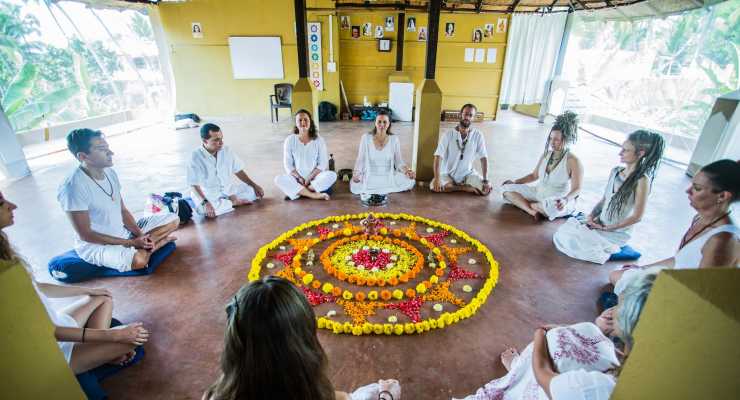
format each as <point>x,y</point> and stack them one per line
<point>531,52</point>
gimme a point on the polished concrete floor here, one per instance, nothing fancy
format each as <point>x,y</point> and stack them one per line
<point>183,303</point>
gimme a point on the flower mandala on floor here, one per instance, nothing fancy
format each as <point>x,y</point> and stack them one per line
<point>380,267</point>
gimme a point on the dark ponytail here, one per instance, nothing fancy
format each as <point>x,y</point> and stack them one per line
<point>724,176</point>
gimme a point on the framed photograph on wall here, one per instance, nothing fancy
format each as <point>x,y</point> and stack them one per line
<point>384,45</point>
<point>344,21</point>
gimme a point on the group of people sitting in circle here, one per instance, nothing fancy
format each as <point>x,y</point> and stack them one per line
<point>271,313</point>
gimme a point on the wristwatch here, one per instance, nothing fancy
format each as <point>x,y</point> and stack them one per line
<point>202,203</point>
<point>485,181</point>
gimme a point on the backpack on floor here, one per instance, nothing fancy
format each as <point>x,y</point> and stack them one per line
<point>177,204</point>
<point>327,111</point>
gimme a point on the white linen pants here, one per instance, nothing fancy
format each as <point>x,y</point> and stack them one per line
<point>221,203</point>
<point>549,204</point>
<point>576,240</point>
<point>288,185</point>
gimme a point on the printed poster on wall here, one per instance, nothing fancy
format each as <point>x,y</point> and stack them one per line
<point>315,72</point>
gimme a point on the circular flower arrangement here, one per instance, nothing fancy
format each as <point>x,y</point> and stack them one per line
<point>397,274</point>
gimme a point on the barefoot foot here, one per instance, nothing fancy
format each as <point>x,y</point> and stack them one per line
<point>508,356</point>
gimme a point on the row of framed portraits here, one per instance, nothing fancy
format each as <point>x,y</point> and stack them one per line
<point>367,29</point>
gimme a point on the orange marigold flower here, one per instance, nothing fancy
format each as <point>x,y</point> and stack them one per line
<point>439,272</point>
<point>316,284</point>
<point>352,279</point>
<point>361,281</point>
<point>404,278</point>
<point>381,282</point>
<point>385,294</point>
<point>337,291</point>
<point>371,281</point>
<point>342,276</point>
<point>359,296</point>
<point>410,293</point>
<point>393,281</point>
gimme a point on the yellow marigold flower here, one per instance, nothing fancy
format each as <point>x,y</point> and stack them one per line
<point>387,329</point>
<point>337,328</point>
<point>442,264</point>
<point>357,330</point>
<point>321,323</point>
<point>373,295</point>
<point>409,328</point>
<point>347,327</point>
<point>347,231</point>
<point>433,323</point>
<point>307,279</point>
<point>436,251</point>
<point>398,329</point>
<point>440,322</point>
<point>384,231</point>
<point>327,288</point>
<point>419,327</point>
<point>367,328</point>
<point>421,288</point>
<point>347,295</point>
<point>398,294</point>
<point>378,329</point>
<point>434,279</point>
<point>426,325</point>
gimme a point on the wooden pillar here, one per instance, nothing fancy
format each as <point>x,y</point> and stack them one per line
<point>302,90</point>
<point>428,104</point>
<point>399,41</point>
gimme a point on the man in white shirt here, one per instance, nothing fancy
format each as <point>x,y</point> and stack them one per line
<point>211,171</point>
<point>107,233</point>
<point>453,160</point>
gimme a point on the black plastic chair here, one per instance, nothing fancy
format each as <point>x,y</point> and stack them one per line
<point>281,99</point>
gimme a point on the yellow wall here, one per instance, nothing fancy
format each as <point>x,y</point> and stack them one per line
<point>202,67</point>
<point>32,366</point>
<point>365,70</point>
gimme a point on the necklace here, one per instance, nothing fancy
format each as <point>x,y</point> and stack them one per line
<point>685,240</point>
<point>461,147</point>
<point>112,198</point>
<point>553,161</point>
<point>379,143</point>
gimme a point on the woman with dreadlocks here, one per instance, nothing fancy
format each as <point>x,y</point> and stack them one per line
<point>558,172</point>
<point>610,222</point>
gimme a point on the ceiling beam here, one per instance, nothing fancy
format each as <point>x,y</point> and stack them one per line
<point>513,5</point>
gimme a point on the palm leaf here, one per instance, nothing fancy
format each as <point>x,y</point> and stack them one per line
<point>19,89</point>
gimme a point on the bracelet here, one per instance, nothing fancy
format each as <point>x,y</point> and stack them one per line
<point>485,180</point>
<point>83,334</point>
<point>204,202</point>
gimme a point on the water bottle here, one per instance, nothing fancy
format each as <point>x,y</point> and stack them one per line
<point>331,162</point>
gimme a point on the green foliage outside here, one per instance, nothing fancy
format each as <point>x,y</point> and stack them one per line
<point>695,58</point>
<point>40,82</point>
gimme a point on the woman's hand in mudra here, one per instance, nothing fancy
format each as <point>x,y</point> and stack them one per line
<point>356,178</point>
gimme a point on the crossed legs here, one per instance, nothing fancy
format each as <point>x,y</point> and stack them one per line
<point>95,312</point>
<point>160,236</point>
<point>532,208</point>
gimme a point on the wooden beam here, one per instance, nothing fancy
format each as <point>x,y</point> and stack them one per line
<point>400,40</point>
<point>435,6</point>
<point>301,37</point>
<point>513,5</point>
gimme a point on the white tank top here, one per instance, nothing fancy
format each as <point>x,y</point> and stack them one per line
<point>689,256</point>
<point>557,182</point>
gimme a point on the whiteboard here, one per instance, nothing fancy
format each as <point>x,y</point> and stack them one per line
<point>256,57</point>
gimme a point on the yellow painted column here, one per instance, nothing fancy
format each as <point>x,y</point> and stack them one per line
<point>304,97</point>
<point>426,128</point>
<point>32,366</point>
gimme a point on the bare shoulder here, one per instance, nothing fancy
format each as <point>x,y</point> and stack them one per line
<point>722,249</point>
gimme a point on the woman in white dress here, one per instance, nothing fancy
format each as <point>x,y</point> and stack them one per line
<point>82,328</point>
<point>574,362</point>
<point>610,223</point>
<point>712,239</point>
<point>558,173</point>
<point>306,162</point>
<point>380,169</point>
